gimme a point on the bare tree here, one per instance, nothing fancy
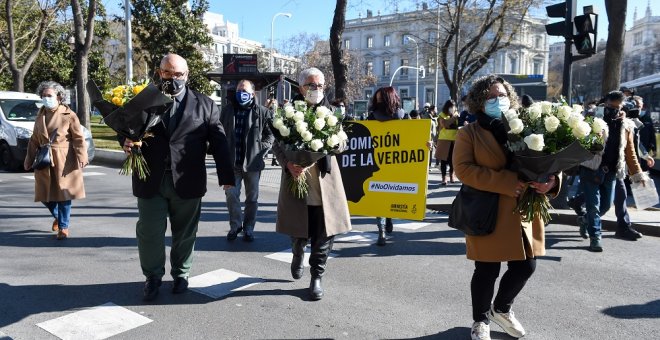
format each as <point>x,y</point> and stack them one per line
<point>26,25</point>
<point>83,36</point>
<point>616,16</point>
<point>339,69</point>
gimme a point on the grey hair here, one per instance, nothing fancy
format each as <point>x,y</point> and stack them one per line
<point>312,71</point>
<point>49,84</point>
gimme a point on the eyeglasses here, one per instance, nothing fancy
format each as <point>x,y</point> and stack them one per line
<point>174,75</point>
<point>314,86</point>
<point>492,99</point>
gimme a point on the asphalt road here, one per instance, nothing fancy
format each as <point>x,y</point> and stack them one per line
<point>416,287</point>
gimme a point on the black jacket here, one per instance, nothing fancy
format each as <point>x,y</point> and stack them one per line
<point>258,137</point>
<point>198,125</point>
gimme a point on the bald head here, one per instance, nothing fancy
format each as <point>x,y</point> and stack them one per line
<point>173,66</point>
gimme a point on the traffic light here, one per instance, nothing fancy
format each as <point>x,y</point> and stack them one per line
<point>586,26</point>
<point>561,10</point>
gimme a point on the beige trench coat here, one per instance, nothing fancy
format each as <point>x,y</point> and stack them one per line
<point>63,180</point>
<point>292,212</point>
<point>479,161</point>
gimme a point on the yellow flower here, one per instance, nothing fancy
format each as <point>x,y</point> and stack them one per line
<point>138,88</point>
<point>117,101</point>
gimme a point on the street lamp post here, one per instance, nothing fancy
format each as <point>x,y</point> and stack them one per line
<point>272,27</point>
<point>129,44</point>
<point>417,73</point>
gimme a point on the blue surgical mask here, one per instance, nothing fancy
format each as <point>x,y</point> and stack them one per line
<point>642,113</point>
<point>243,98</point>
<point>50,102</point>
<point>495,106</point>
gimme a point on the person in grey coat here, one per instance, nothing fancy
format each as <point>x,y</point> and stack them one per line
<point>324,212</point>
<point>249,138</point>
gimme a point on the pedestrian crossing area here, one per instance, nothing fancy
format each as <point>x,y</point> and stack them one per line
<point>86,172</point>
<point>110,319</point>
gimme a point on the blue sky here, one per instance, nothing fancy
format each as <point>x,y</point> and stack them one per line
<point>254,17</point>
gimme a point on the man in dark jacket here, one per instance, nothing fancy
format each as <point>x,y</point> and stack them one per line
<point>249,140</point>
<point>176,156</point>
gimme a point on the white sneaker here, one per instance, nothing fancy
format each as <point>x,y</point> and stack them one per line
<point>480,331</point>
<point>508,322</point>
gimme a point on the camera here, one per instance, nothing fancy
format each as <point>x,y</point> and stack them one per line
<point>630,108</point>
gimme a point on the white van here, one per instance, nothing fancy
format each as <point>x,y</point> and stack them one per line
<point>18,111</point>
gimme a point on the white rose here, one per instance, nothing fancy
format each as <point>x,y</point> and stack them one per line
<point>300,105</point>
<point>574,119</point>
<point>551,123</point>
<point>342,135</point>
<point>301,126</point>
<point>298,116</point>
<point>546,107</point>
<point>599,125</point>
<point>535,141</point>
<point>322,112</point>
<point>516,125</point>
<point>578,108</point>
<point>315,144</point>
<point>535,111</point>
<point>289,108</point>
<point>284,131</point>
<point>563,112</point>
<point>581,130</point>
<point>511,114</point>
<point>319,123</point>
<point>332,141</point>
<point>289,113</point>
<point>332,120</point>
<point>306,136</point>
<point>278,123</point>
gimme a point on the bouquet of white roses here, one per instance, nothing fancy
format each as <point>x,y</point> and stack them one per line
<point>547,138</point>
<point>307,134</point>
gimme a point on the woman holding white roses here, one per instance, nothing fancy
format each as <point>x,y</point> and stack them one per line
<point>323,212</point>
<point>481,161</point>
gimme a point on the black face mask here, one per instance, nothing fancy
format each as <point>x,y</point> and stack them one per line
<point>610,113</point>
<point>172,86</point>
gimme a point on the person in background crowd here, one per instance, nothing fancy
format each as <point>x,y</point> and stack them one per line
<point>340,106</point>
<point>414,114</point>
<point>647,138</point>
<point>176,157</point>
<point>444,148</point>
<point>249,138</point>
<point>385,105</point>
<point>599,176</point>
<point>426,111</point>
<point>55,186</point>
<point>526,101</point>
<point>481,161</point>
<point>465,117</point>
<point>324,212</point>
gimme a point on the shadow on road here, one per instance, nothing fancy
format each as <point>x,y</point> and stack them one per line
<point>649,310</point>
<point>459,333</point>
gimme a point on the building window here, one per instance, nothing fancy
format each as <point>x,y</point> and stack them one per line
<point>513,65</point>
<point>370,68</point>
<point>404,39</point>
<point>386,67</point>
<point>537,65</point>
<point>430,96</point>
<point>538,41</point>
<point>637,39</point>
<point>404,71</point>
<point>403,92</point>
<point>368,94</point>
<point>432,37</point>
<point>370,42</point>
<point>386,40</point>
<point>430,66</point>
<point>347,44</point>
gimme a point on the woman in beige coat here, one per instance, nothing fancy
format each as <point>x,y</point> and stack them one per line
<point>480,161</point>
<point>55,186</point>
<point>324,212</point>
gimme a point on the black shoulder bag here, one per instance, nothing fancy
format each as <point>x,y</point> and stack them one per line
<point>474,211</point>
<point>43,158</point>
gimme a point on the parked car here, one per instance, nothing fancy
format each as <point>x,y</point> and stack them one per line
<point>18,110</point>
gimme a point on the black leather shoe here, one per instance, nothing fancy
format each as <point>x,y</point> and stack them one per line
<point>151,288</point>
<point>382,240</point>
<point>628,234</point>
<point>315,289</point>
<point>248,237</point>
<point>575,203</point>
<point>389,226</point>
<point>231,235</point>
<point>180,285</point>
<point>239,230</point>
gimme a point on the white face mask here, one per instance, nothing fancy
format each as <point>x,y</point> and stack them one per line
<point>314,96</point>
<point>50,102</point>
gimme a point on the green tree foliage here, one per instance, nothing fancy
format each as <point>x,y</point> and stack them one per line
<point>176,26</point>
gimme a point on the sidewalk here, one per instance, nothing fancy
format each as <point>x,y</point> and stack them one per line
<point>439,197</point>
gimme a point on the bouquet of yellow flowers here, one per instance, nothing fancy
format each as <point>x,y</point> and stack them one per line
<point>547,138</point>
<point>307,135</point>
<point>131,110</point>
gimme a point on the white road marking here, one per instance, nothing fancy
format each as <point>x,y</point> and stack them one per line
<point>99,322</point>
<point>410,225</point>
<point>357,236</point>
<point>287,256</point>
<point>221,282</point>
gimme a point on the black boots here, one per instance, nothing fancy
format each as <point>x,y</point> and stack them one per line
<point>298,249</point>
<point>382,239</point>
<point>321,247</point>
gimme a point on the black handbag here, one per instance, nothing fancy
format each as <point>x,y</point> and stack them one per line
<point>474,211</point>
<point>43,159</point>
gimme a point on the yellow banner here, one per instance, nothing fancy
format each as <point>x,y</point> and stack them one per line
<point>385,169</point>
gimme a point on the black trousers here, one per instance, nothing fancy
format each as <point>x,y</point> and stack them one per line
<point>448,162</point>
<point>483,285</point>
<point>320,242</point>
